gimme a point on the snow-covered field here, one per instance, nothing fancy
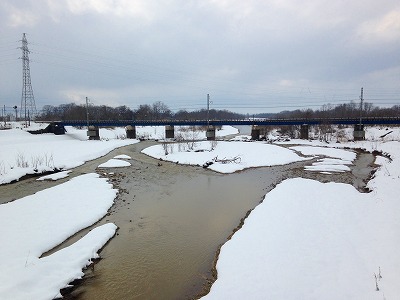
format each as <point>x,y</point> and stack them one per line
<point>307,240</point>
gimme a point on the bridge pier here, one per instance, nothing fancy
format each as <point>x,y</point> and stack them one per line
<point>359,132</point>
<point>93,133</point>
<point>210,133</point>
<point>255,133</point>
<point>130,132</point>
<point>169,131</point>
<point>304,131</point>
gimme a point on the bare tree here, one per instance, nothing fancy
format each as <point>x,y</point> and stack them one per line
<point>161,111</point>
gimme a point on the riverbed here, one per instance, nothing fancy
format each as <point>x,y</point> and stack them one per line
<point>172,220</point>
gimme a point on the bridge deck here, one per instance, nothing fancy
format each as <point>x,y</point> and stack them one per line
<point>260,122</point>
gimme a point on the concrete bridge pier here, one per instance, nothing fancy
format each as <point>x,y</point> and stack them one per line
<point>359,132</point>
<point>304,132</point>
<point>169,132</point>
<point>255,133</point>
<point>210,133</point>
<point>130,132</point>
<point>93,133</point>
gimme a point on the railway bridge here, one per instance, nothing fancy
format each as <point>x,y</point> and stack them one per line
<point>304,123</point>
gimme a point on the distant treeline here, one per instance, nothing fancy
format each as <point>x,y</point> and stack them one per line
<point>160,111</point>
<point>347,110</point>
<point>156,111</point>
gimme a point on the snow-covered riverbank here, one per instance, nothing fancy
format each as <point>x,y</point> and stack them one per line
<point>310,240</point>
<point>22,153</point>
<point>35,224</point>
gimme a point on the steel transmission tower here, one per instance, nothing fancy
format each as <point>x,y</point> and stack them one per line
<point>28,107</point>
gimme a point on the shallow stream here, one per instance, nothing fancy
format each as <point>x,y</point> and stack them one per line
<point>172,219</point>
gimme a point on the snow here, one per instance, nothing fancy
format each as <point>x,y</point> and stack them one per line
<point>226,130</point>
<point>375,133</point>
<point>241,138</point>
<point>312,240</point>
<point>250,154</point>
<point>330,152</point>
<point>307,240</point>
<point>23,153</point>
<point>341,158</point>
<point>106,134</point>
<point>158,132</point>
<point>329,165</point>
<point>150,132</point>
<point>115,163</point>
<point>39,222</point>
<point>295,237</point>
<point>122,156</point>
<point>55,176</point>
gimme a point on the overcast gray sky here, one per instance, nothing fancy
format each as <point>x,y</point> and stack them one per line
<point>250,56</point>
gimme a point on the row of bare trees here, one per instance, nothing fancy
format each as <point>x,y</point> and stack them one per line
<point>346,110</point>
<point>156,111</point>
<point>160,111</point>
<point>73,111</point>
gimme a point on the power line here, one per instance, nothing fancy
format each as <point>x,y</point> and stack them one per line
<point>151,73</point>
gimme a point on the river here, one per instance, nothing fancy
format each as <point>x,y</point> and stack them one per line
<point>172,220</point>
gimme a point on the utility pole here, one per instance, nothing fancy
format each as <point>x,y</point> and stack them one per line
<point>208,110</point>
<point>27,99</point>
<point>361,104</point>
<point>87,111</point>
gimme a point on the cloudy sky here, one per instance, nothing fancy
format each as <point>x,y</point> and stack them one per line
<point>250,56</point>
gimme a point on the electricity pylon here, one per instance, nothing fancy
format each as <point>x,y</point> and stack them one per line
<point>28,107</point>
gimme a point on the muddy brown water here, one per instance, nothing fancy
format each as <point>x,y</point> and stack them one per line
<point>172,219</point>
